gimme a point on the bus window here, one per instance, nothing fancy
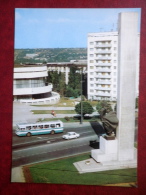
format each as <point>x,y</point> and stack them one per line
<point>22,129</point>
<point>28,127</point>
<point>34,127</point>
<point>52,125</point>
<point>40,126</point>
<point>46,126</point>
<point>58,125</point>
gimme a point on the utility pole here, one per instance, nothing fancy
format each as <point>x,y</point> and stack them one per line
<point>81,97</point>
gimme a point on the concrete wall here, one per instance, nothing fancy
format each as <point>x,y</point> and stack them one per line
<point>128,27</point>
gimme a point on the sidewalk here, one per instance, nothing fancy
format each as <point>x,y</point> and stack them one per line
<point>17,175</point>
<point>22,113</point>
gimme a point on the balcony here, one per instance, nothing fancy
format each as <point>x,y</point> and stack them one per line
<point>103,94</point>
<point>103,64</point>
<point>103,76</point>
<point>103,69</point>
<point>103,88</point>
<point>103,82</point>
<point>103,58</point>
<point>103,51</point>
<point>103,45</point>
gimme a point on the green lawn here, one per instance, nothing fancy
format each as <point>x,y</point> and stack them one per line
<point>64,102</point>
<point>63,172</point>
<point>56,111</point>
<point>69,119</point>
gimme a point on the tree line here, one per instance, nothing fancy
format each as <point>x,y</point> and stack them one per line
<point>77,81</point>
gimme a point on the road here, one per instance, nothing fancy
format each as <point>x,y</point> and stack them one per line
<point>27,150</point>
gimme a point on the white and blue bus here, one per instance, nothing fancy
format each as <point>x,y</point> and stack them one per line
<point>50,127</point>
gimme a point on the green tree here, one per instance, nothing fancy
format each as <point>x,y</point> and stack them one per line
<point>74,78</point>
<point>58,81</point>
<point>103,104</point>
<point>86,108</point>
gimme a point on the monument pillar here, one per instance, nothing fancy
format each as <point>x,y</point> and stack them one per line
<point>127,58</point>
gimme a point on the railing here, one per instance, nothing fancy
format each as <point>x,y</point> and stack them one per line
<point>103,51</point>
<point>103,45</point>
<point>103,58</point>
<point>103,76</point>
<point>103,69</point>
<point>102,64</point>
<point>51,100</point>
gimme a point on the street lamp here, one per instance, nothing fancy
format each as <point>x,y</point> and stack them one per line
<point>81,97</point>
<point>81,102</point>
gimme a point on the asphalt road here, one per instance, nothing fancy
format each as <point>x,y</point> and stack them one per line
<point>27,150</point>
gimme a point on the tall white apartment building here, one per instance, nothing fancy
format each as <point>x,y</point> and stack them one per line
<point>103,66</point>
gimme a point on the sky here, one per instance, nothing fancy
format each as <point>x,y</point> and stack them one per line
<point>63,27</point>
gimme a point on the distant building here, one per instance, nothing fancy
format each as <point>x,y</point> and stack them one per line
<point>31,55</point>
<point>64,67</point>
<point>30,85</point>
<point>103,66</point>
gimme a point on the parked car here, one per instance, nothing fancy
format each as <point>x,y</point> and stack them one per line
<point>71,135</point>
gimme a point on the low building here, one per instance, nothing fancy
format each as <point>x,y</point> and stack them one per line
<point>30,85</point>
<point>64,67</point>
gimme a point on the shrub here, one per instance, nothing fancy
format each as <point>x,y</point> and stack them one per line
<point>66,118</point>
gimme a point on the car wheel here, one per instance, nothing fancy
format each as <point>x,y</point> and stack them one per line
<point>28,134</point>
<point>52,132</point>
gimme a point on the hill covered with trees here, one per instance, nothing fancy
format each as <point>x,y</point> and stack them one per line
<point>49,55</point>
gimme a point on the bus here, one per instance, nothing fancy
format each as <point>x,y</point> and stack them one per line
<point>49,127</point>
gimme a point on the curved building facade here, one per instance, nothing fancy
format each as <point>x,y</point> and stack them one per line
<point>30,85</point>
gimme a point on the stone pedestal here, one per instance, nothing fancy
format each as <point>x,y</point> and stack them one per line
<point>107,152</point>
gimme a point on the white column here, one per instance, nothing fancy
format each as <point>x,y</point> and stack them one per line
<point>128,33</point>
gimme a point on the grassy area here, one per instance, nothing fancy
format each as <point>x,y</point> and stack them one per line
<point>65,102</point>
<point>69,119</point>
<point>56,111</point>
<point>63,172</point>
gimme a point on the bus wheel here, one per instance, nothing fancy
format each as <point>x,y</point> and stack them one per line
<point>52,132</point>
<point>28,134</point>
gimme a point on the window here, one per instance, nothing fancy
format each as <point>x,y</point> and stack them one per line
<point>91,55</point>
<point>40,126</point>
<point>46,126</point>
<point>91,67</point>
<point>91,73</point>
<point>115,48</point>
<point>52,125</point>
<point>91,79</point>
<point>91,85</point>
<point>91,61</point>
<point>91,90</point>
<point>91,49</point>
<point>91,43</point>
<point>28,128</point>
